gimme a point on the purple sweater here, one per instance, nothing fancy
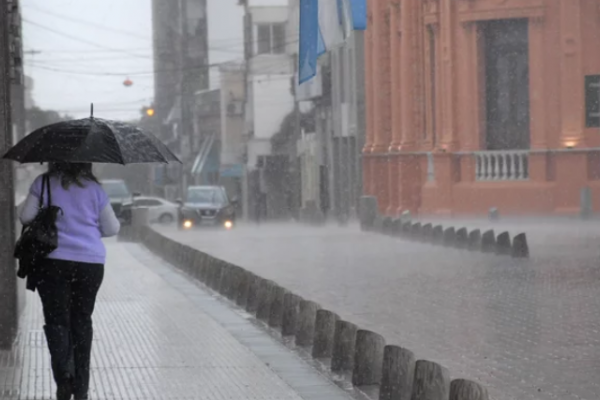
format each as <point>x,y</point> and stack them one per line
<point>79,231</point>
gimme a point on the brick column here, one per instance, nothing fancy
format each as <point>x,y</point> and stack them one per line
<point>537,100</point>
<point>367,161</point>
<point>382,99</point>
<point>448,87</point>
<point>571,77</point>
<point>411,65</point>
<point>571,168</point>
<point>396,101</point>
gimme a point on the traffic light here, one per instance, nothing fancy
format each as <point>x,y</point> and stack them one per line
<point>150,111</point>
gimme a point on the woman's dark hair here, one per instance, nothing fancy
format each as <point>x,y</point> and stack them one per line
<point>72,173</point>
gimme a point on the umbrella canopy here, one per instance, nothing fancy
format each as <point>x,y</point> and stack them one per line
<point>92,140</point>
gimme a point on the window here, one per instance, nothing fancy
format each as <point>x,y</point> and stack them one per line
<point>206,195</point>
<point>264,39</point>
<point>147,203</point>
<point>270,38</point>
<point>592,101</point>
<point>278,34</point>
<point>115,189</point>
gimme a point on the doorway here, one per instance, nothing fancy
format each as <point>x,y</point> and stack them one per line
<point>506,44</point>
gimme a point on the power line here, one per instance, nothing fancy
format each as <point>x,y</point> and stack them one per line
<point>142,73</point>
<point>78,39</point>
<point>88,23</point>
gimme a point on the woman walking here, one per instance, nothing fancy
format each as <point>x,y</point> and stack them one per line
<point>68,280</point>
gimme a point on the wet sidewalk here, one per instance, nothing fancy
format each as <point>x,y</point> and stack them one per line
<point>159,336</point>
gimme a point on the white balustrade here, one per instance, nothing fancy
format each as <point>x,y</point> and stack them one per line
<point>502,165</point>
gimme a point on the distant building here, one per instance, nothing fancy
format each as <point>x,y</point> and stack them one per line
<point>233,140</point>
<point>206,141</point>
<point>29,85</point>
<point>179,56</point>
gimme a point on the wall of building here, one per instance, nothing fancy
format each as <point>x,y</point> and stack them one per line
<point>426,124</point>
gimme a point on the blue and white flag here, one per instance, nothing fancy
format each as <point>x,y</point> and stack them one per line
<point>359,14</point>
<point>335,24</point>
<point>324,25</point>
<point>309,37</point>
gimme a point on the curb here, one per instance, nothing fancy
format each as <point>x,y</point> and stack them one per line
<point>384,371</point>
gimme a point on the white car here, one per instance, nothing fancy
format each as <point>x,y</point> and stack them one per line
<point>160,210</point>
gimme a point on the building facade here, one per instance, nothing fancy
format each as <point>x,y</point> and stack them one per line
<point>473,104</point>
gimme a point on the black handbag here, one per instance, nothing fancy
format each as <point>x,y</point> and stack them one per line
<point>39,238</point>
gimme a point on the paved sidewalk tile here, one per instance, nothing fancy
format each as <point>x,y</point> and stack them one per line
<point>158,336</point>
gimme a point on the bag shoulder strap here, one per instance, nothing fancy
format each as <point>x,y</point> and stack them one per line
<point>48,191</point>
<point>41,200</point>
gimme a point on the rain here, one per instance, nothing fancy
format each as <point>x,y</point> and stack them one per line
<point>299,199</point>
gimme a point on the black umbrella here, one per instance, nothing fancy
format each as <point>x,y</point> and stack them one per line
<point>93,140</point>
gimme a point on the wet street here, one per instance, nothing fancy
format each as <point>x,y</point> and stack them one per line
<point>527,329</point>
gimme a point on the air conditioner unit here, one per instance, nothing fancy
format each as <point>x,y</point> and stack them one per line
<point>235,108</point>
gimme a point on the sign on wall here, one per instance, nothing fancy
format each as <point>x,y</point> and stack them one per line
<point>592,101</point>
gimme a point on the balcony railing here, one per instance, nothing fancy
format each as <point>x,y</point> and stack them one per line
<point>503,165</point>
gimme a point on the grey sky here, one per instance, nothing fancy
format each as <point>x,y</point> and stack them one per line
<point>89,47</point>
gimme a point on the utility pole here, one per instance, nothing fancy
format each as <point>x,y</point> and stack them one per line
<point>187,96</point>
<point>8,279</point>
<point>248,49</point>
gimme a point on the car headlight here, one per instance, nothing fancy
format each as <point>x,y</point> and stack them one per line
<point>188,224</point>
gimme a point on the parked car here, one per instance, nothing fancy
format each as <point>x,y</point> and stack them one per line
<point>121,199</point>
<point>207,206</point>
<point>159,209</point>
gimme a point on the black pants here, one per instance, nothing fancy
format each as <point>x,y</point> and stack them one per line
<point>68,292</point>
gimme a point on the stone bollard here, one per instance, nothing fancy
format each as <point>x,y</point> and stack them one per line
<point>416,231</point>
<point>225,280</point>
<point>488,242</point>
<point>503,246</point>
<point>252,300</point>
<point>324,334</point>
<point>205,270</point>
<point>398,373</point>
<point>378,225</point>
<point>196,270</point>
<point>427,232</point>
<point>407,229</point>
<point>474,240</point>
<point>462,238</point>
<point>397,227</point>
<point>449,237</point>
<point>276,315</point>
<point>305,325</point>
<point>520,248</point>
<point>437,236</point>
<point>461,389</point>
<point>368,358</point>
<point>367,212</point>
<point>585,203</point>
<point>344,339</point>
<point>387,226</point>
<point>291,308</point>
<point>432,381</point>
<point>243,286</point>
<point>232,284</point>
<point>406,216</point>
<point>265,298</point>
<point>216,275</point>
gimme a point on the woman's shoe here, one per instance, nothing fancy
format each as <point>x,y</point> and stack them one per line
<point>64,391</point>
